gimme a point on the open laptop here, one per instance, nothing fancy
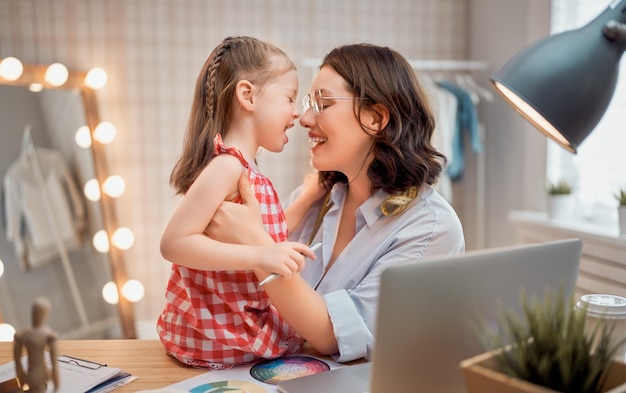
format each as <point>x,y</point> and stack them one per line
<point>427,314</point>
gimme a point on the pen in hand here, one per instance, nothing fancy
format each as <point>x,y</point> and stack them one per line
<point>274,276</point>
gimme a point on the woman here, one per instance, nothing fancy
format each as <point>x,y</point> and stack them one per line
<point>371,123</point>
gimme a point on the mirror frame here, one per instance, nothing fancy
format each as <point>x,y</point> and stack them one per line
<point>35,74</point>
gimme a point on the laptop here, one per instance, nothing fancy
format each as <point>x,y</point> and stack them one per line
<point>428,310</point>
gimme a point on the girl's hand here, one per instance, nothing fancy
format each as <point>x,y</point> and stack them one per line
<point>285,258</point>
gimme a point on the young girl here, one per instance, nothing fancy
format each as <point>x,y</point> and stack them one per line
<point>216,314</point>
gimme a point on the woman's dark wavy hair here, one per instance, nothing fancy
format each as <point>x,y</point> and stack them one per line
<point>403,154</point>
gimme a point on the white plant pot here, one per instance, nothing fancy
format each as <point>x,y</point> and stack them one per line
<point>561,207</point>
<point>621,216</point>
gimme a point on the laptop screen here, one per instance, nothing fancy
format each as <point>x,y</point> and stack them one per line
<point>427,314</point>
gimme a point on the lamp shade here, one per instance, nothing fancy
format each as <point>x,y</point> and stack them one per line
<point>564,83</point>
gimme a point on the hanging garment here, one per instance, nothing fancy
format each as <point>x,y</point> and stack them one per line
<point>35,214</point>
<point>466,122</point>
<point>445,108</point>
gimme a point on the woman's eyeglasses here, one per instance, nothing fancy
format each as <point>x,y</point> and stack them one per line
<point>317,102</point>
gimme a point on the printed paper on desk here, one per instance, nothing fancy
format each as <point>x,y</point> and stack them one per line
<point>75,375</point>
<point>240,378</point>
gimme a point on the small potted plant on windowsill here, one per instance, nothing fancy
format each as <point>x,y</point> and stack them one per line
<point>560,200</point>
<point>621,210</point>
<point>549,351</point>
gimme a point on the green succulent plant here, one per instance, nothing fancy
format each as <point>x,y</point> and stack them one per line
<point>621,197</point>
<point>549,346</point>
<point>562,187</point>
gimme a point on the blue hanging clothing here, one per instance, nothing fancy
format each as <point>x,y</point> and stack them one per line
<point>466,122</point>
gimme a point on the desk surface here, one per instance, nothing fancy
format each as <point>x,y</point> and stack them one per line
<point>145,359</point>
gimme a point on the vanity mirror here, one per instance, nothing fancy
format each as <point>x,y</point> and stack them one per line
<point>47,243</point>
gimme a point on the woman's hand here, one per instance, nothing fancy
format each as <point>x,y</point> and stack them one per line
<point>239,223</point>
<point>312,190</point>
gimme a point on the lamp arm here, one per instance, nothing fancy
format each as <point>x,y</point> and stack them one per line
<point>615,31</point>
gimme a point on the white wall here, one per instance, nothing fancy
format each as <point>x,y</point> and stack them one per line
<point>515,151</point>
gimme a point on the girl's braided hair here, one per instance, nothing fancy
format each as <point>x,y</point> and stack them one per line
<point>234,59</point>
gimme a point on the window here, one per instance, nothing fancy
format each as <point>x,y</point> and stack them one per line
<point>599,168</point>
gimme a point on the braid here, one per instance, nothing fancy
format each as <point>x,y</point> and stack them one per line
<point>235,58</point>
<point>210,82</point>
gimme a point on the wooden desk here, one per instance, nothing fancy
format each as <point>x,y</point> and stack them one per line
<point>145,359</point>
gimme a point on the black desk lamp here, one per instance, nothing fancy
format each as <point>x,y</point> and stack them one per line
<point>563,83</point>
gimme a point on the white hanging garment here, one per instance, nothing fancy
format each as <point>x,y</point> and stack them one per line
<point>445,108</point>
<point>26,210</point>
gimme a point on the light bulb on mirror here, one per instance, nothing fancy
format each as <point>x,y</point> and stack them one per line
<point>11,68</point>
<point>123,238</point>
<point>101,241</point>
<point>35,87</point>
<point>82,137</point>
<point>1,268</point>
<point>92,190</point>
<point>56,74</point>
<point>96,78</point>
<point>105,132</point>
<point>133,290</point>
<point>7,332</point>
<point>114,186</point>
<point>109,293</point>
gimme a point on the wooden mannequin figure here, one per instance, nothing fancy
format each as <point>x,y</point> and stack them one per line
<point>36,340</point>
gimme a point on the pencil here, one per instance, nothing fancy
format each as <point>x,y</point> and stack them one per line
<point>274,276</point>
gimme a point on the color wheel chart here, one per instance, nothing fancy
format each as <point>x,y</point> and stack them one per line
<point>273,371</point>
<point>228,386</point>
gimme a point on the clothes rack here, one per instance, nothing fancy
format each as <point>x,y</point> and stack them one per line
<point>448,65</point>
<point>28,148</point>
<point>466,66</point>
<point>424,65</point>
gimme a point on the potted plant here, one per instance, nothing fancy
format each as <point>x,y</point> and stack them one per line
<point>621,210</point>
<point>549,350</point>
<point>562,187</point>
<point>560,199</point>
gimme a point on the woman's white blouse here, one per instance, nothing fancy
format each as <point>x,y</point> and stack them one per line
<point>428,227</point>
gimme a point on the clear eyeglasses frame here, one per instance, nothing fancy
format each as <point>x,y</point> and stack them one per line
<point>317,101</point>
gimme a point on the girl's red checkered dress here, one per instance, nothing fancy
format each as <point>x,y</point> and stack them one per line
<point>218,319</point>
